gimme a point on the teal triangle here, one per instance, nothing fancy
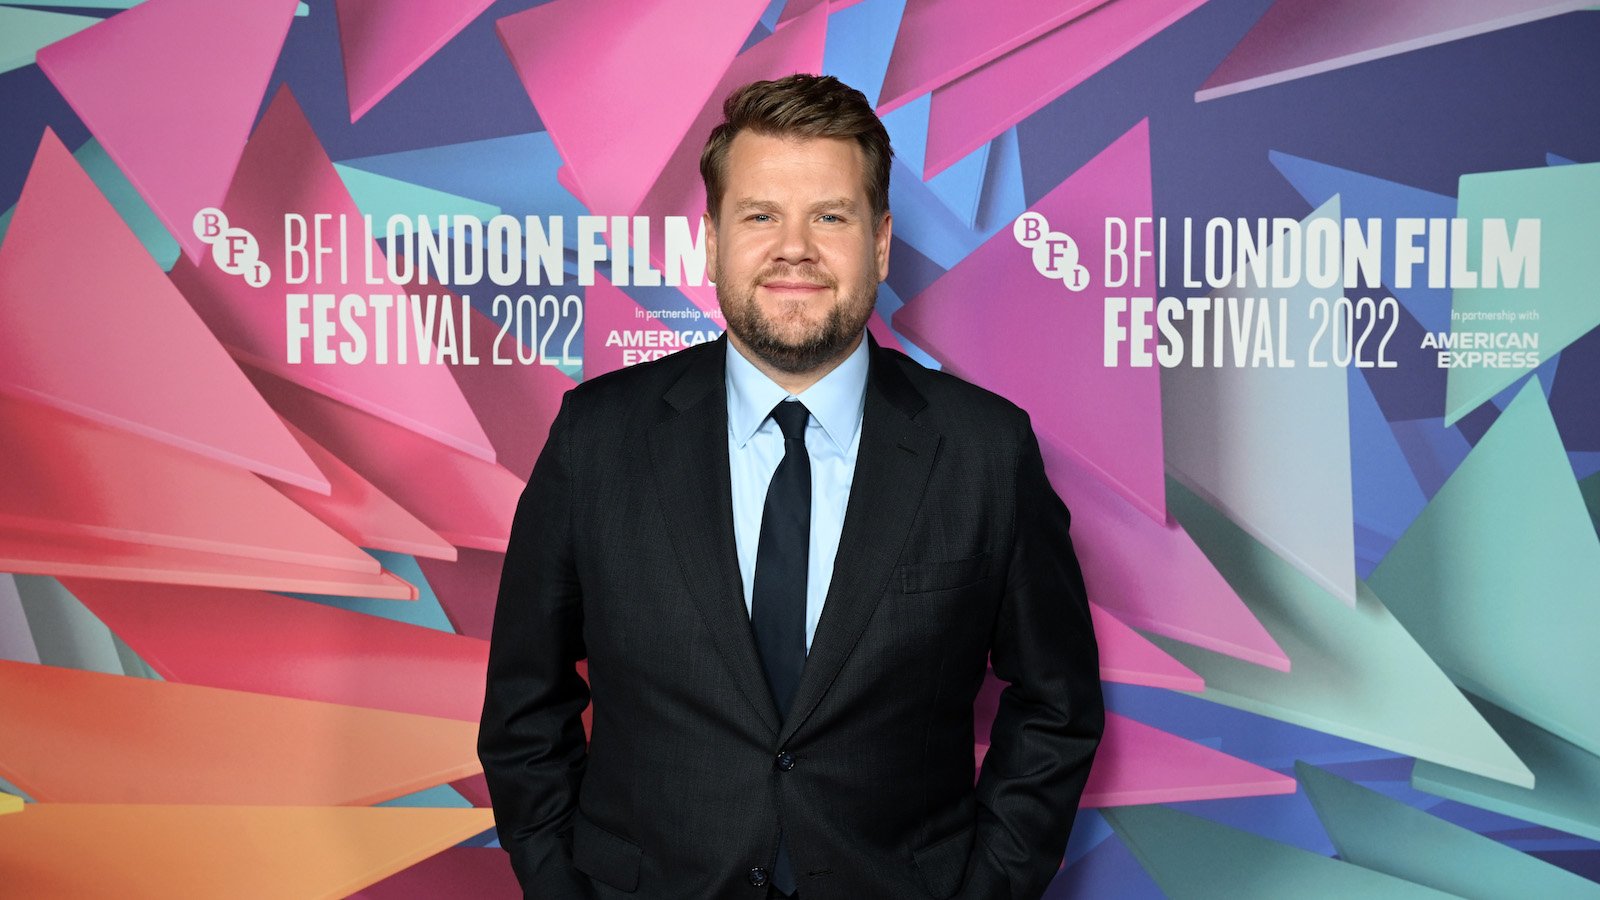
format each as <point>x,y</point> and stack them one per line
<point>1197,859</point>
<point>440,796</point>
<point>65,632</point>
<point>1564,201</point>
<point>1496,578</point>
<point>1385,835</point>
<point>136,213</point>
<point>1565,796</point>
<point>1355,673</point>
<point>380,197</point>
<point>24,31</point>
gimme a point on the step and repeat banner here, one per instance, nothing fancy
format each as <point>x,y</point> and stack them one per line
<point>1302,297</point>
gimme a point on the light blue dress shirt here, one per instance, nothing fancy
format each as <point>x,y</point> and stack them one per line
<point>755,447</point>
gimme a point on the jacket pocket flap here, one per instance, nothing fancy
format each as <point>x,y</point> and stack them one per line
<point>940,575</point>
<point>603,856</point>
<point>943,864</point>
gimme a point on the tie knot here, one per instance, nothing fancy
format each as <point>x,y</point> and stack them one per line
<point>792,416</point>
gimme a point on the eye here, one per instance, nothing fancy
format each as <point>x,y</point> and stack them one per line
<point>831,217</point>
<point>758,217</point>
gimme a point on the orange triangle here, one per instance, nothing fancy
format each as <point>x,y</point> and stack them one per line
<point>86,737</point>
<point>87,851</point>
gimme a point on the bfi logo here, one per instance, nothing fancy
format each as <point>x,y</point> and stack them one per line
<point>234,250</point>
<point>1055,255</point>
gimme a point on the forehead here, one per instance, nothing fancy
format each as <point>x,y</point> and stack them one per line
<point>769,167</point>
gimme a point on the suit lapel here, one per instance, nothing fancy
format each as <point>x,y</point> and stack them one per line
<point>893,462</point>
<point>690,450</point>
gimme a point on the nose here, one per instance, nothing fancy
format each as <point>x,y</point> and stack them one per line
<point>796,242</point>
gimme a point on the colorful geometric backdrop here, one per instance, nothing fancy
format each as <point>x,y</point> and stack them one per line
<point>1347,616</point>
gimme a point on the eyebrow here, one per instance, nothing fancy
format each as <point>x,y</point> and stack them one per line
<point>836,204</point>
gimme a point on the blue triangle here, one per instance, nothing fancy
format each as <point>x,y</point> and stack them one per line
<point>1386,494</point>
<point>961,186</point>
<point>1004,197</point>
<point>859,42</point>
<point>515,173</point>
<point>1363,197</point>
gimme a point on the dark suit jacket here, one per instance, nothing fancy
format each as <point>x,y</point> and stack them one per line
<point>954,555</point>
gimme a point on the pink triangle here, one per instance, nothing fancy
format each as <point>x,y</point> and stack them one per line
<point>284,170</point>
<point>170,88</point>
<point>467,501</point>
<point>70,476</point>
<point>618,82</point>
<point>1296,38</point>
<point>1138,764</point>
<point>940,40</point>
<point>880,331</point>
<point>1126,657</point>
<point>618,332</point>
<point>114,341</point>
<point>1152,576</point>
<point>360,511</point>
<point>77,556</point>
<point>1044,346</point>
<point>794,9</point>
<point>975,108</point>
<point>384,41</point>
<point>796,47</point>
<point>268,644</point>
<point>516,404</point>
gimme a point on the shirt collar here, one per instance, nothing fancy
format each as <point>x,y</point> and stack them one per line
<point>836,401</point>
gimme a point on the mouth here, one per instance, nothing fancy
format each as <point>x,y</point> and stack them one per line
<point>793,287</point>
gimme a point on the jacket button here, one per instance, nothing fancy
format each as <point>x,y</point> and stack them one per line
<point>758,876</point>
<point>785,760</point>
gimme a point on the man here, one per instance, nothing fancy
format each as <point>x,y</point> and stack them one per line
<point>788,557</point>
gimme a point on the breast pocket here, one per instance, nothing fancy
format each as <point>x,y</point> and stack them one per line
<point>943,575</point>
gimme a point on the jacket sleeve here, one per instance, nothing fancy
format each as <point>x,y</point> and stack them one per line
<point>1051,714</point>
<point>531,739</point>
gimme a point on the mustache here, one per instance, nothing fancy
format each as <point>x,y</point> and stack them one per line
<point>803,272</point>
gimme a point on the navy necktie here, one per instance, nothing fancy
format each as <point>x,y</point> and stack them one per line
<point>778,597</point>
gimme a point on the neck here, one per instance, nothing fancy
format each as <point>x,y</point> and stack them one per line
<point>795,382</point>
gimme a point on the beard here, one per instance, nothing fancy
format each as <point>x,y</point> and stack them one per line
<point>819,344</point>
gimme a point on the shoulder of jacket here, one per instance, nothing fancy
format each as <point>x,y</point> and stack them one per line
<point>945,392</point>
<point>635,382</point>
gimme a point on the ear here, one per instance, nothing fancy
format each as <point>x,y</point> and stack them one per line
<point>881,242</point>
<point>709,228</point>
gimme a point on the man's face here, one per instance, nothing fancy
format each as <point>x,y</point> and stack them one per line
<point>794,253</point>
